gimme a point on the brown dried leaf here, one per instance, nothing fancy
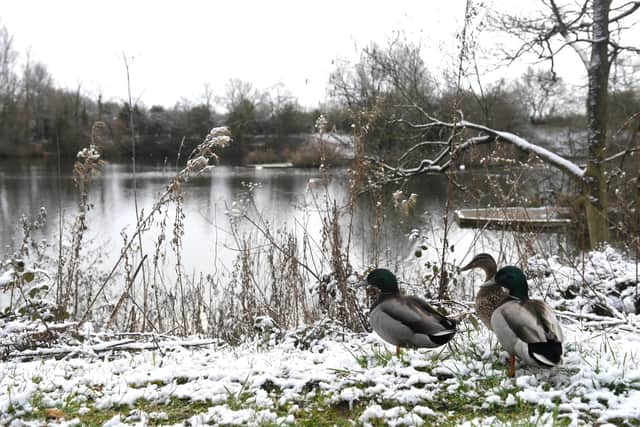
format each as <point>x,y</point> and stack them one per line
<point>54,413</point>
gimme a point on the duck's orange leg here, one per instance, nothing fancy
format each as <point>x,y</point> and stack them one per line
<point>511,370</point>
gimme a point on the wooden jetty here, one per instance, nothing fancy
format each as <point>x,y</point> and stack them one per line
<point>546,218</point>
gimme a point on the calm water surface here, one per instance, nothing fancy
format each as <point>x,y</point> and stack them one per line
<point>287,198</point>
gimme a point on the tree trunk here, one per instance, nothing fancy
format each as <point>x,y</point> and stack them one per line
<point>597,105</point>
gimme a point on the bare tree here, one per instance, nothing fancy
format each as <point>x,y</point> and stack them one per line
<point>540,90</point>
<point>207,96</point>
<point>8,58</point>
<point>8,83</point>
<point>383,80</point>
<point>593,29</point>
<point>238,91</point>
<point>395,71</point>
<point>34,91</point>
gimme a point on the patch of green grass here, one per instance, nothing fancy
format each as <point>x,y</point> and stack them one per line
<point>270,387</point>
<point>177,410</point>
<point>459,407</point>
<point>97,417</point>
<point>451,409</point>
<point>237,401</point>
<point>617,388</point>
<point>456,409</point>
<point>36,399</point>
<point>71,404</point>
<point>320,410</point>
<point>363,385</point>
<point>382,356</point>
<point>376,355</point>
<point>181,380</point>
<point>490,382</point>
<point>624,422</point>
<point>159,383</point>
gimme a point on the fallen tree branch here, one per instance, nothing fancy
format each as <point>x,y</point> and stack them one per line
<point>594,318</point>
<point>122,345</point>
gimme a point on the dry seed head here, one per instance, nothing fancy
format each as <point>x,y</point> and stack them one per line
<point>218,136</point>
<point>321,124</point>
<point>197,165</point>
<point>89,153</point>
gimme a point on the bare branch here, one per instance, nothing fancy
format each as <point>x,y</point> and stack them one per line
<point>618,48</point>
<point>633,6</point>
<point>621,154</point>
<point>580,15</point>
<point>573,24</point>
<point>564,32</point>
<point>486,136</point>
<point>420,145</point>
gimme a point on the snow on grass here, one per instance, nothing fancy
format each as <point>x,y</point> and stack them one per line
<point>603,282</point>
<point>342,378</point>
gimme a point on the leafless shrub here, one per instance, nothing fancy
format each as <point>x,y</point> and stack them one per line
<point>133,313</point>
<point>71,293</point>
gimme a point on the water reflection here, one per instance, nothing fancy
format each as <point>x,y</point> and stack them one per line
<point>283,198</point>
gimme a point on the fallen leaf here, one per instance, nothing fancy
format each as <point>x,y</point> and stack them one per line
<point>54,413</point>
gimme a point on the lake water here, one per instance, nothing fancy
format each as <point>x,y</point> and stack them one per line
<point>292,199</point>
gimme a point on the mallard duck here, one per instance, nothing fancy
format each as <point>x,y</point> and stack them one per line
<point>490,295</point>
<point>405,321</point>
<point>525,327</point>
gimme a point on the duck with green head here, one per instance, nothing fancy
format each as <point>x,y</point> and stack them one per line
<point>490,295</point>
<point>405,321</point>
<point>526,328</point>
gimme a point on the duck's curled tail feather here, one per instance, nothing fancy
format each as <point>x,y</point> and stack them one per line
<point>546,353</point>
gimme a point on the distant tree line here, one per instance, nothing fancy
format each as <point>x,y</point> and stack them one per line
<point>391,80</point>
<point>395,83</point>
<point>37,117</point>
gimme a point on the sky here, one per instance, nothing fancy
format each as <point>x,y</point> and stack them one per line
<point>177,47</point>
<point>174,47</point>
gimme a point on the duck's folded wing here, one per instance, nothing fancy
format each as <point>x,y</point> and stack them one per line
<point>419,316</point>
<point>546,318</point>
<point>531,321</point>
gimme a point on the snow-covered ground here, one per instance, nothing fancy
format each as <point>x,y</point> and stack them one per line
<point>353,376</point>
<point>323,375</point>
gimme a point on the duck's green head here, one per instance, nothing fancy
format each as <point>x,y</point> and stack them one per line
<point>384,280</point>
<point>514,280</point>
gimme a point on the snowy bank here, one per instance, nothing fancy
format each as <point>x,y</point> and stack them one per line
<point>324,375</point>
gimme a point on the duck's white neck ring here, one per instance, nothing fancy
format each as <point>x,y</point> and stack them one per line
<point>489,283</point>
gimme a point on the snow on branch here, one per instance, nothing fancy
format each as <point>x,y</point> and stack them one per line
<point>546,155</point>
<point>442,160</point>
